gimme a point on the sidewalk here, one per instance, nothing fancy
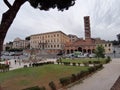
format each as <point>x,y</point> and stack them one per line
<point>102,80</point>
<point>21,64</point>
<point>17,65</point>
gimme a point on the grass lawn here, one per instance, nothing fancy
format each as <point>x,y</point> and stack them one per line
<point>81,60</point>
<point>41,76</point>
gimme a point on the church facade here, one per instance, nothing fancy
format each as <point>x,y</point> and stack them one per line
<point>87,45</point>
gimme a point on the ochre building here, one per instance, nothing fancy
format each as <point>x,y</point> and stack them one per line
<point>52,42</point>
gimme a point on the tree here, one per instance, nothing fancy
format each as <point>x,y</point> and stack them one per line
<point>100,51</point>
<point>27,38</point>
<point>9,16</point>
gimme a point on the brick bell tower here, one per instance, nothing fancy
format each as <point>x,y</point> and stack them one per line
<point>87,27</point>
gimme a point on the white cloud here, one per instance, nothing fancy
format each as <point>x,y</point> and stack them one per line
<point>104,16</point>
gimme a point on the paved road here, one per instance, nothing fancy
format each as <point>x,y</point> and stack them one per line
<point>102,80</point>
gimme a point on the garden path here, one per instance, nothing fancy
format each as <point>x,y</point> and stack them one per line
<point>101,80</point>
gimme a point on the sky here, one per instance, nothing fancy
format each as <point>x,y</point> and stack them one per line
<point>104,20</point>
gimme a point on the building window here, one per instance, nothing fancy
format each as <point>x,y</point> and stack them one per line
<point>51,46</point>
<point>48,41</point>
<point>48,46</point>
<point>109,45</point>
<point>57,35</point>
<point>105,45</point>
<point>58,46</point>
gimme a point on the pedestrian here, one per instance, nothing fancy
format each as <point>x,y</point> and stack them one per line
<point>15,61</point>
<point>9,63</point>
<point>6,62</point>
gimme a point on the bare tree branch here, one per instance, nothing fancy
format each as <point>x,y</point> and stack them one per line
<point>7,3</point>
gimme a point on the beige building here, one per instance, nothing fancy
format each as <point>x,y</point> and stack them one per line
<point>20,44</point>
<point>73,38</point>
<point>108,47</point>
<point>50,41</point>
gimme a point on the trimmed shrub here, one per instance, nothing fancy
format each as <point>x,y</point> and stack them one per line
<point>91,69</point>
<point>35,88</point>
<point>65,80</point>
<point>74,64</point>
<point>78,76</point>
<point>66,63</point>
<point>96,62</point>
<point>42,88</point>
<point>4,67</point>
<point>52,85</point>
<point>58,63</point>
<point>86,63</point>
<point>78,64</point>
<point>90,62</point>
<point>83,73</point>
<point>73,78</point>
<point>108,59</point>
<point>98,66</point>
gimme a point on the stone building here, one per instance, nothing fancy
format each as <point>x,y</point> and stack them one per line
<point>87,45</point>
<point>20,44</point>
<point>52,42</point>
<point>108,46</point>
<point>73,38</point>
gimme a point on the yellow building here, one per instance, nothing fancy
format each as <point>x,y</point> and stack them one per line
<point>107,46</point>
<point>50,41</point>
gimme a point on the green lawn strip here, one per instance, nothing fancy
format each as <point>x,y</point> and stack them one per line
<point>81,60</point>
<point>45,74</point>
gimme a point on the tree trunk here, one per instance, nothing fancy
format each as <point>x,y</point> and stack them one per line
<point>7,19</point>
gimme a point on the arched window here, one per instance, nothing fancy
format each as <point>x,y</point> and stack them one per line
<point>80,49</point>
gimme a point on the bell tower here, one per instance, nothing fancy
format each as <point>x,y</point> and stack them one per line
<point>87,27</point>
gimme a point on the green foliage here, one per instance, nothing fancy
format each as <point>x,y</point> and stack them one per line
<point>73,78</point>
<point>7,48</point>
<point>108,59</point>
<point>86,63</point>
<point>47,4</point>
<point>100,51</point>
<point>4,67</point>
<point>15,49</point>
<point>52,85</point>
<point>91,69</point>
<point>65,80</point>
<point>74,64</point>
<point>66,63</point>
<point>27,38</point>
<point>90,61</point>
<point>35,88</point>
